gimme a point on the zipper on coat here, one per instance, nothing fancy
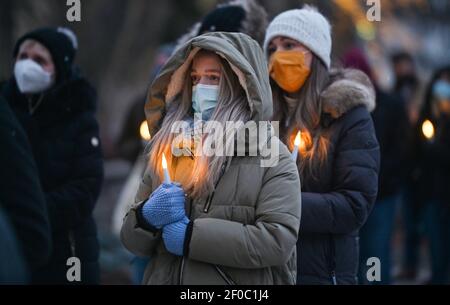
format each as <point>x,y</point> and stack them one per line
<point>333,278</point>
<point>181,272</point>
<point>208,203</point>
<point>332,261</point>
<point>32,107</point>
<point>72,243</point>
<point>190,207</point>
<point>182,260</point>
<point>210,197</point>
<point>225,276</point>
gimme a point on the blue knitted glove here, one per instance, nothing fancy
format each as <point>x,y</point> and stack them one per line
<point>165,206</point>
<point>174,235</point>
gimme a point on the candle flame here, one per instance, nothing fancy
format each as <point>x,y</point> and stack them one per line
<point>143,130</point>
<point>164,162</point>
<point>428,129</point>
<point>298,139</point>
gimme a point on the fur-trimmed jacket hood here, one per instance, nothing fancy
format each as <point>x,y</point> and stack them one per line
<point>348,89</point>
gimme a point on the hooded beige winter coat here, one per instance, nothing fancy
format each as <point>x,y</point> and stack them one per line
<point>247,234</point>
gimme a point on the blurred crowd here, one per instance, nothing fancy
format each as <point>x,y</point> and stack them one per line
<point>53,172</point>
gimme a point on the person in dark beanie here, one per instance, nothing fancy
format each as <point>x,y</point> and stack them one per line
<point>21,196</point>
<point>238,16</point>
<point>56,107</point>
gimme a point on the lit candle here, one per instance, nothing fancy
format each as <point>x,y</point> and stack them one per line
<point>145,133</point>
<point>428,130</point>
<point>165,170</point>
<point>297,142</point>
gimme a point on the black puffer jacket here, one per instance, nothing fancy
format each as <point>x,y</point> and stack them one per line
<point>337,202</point>
<point>21,195</point>
<point>432,167</point>
<point>393,134</point>
<point>431,172</point>
<point>64,137</point>
<point>12,264</point>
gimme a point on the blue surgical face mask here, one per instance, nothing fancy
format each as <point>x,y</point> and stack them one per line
<point>441,90</point>
<point>204,100</point>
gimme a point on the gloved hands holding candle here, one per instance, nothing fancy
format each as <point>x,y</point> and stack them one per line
<point>174,236</point>
<point>165,206</point>
<point>165,210</point>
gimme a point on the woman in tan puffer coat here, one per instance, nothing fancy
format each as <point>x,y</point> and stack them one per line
<point>241,216</point>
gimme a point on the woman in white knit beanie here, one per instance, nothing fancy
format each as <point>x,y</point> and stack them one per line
<point>338,158</point>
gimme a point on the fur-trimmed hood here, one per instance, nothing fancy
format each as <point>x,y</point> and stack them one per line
<point>255,22</point>
<point>349,88</point>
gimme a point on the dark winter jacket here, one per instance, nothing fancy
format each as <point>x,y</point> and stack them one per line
<point>392,129</point>
<point>337,202</point>
<point>64,137</point>
<point>12,264</point>
<point>21,194</point>
<point>432,171</point>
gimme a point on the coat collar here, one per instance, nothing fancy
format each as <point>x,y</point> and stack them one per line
<point>73,96</point>
<point>348,89</point>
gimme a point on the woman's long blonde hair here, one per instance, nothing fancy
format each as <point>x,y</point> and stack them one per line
<point>232,106</point>
<point>307,118</point>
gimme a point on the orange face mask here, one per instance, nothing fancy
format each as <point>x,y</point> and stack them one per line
<point>288,69</point>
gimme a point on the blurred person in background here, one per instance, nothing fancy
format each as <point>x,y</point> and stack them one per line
<point>235,16</point>
<point>338,153</point>
<point>406,82</point>
<point>55,105</point>
<point>391,127</point>
<point>407,87</point>
<point>432,172</point>
<point>130,144</point>
<point>133,139</point>
<point>22,203</point>
<point>228,220</point>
